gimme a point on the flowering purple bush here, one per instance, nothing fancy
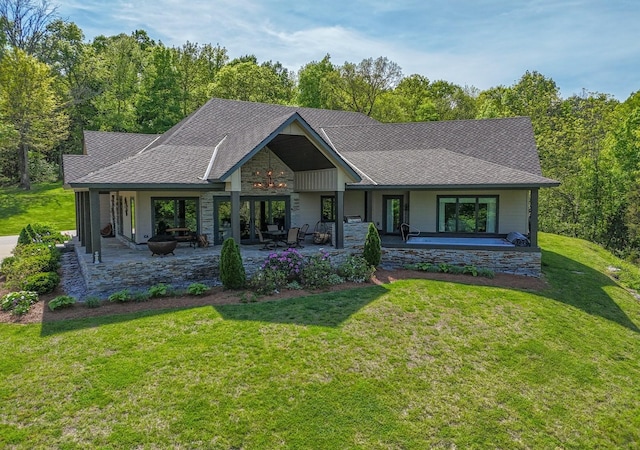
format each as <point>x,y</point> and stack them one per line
<point>290,267</point>
<point>290,262</point>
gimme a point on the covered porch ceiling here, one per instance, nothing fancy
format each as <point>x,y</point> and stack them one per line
<point>299,153</point>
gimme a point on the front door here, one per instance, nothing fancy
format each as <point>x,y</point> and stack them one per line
<point>392,214</point>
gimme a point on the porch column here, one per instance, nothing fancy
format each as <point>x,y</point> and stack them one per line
<point>94,204</point>
<point>339,219</point>
<point>235,216</point>
<point>86,219</point>
<point>533,220</point>
<point>368,196</point>
<point>77,205</point>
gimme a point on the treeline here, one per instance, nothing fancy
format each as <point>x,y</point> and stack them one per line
<point>54,84</point>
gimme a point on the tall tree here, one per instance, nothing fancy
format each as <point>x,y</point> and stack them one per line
<point>24,22</point>
<point>158,107</point>
<point>28,103</point>
<point>250,82</point>
<point>310,81</point>
<point>119,70</point>
<point>356,87</point>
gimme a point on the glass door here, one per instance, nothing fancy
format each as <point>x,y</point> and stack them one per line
<point>221,219</point>
<point>254,212</point>
<point>392,214</point>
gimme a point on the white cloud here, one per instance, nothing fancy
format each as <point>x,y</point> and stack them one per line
<point>579,43</point>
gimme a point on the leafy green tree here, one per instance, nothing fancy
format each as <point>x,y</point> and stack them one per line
<point>119,66</point>
<point>158,107</point>
<point>356,87</point>
<point>250,82</point>
<point>310,79</point>
<point>414,98</point>
<point>28,103</point>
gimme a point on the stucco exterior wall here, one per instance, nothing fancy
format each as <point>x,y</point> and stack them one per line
<point>513,209</point>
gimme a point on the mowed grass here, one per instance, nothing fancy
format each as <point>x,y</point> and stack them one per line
<point>46,203</point>
<point>415,364</point>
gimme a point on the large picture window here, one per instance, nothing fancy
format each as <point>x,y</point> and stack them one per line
<point>175,213</point>
<point>468,214</point>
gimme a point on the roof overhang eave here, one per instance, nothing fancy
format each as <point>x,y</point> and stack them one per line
<point>433,187</point>
<point>210,186</point>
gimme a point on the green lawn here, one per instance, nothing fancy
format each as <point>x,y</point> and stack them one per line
<point>44,203</point>
<point>416,364</point>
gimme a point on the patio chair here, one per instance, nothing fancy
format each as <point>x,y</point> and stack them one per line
<point>408,231</point>
<point>292,237</point>
<point>268,243</point>
<point>302,233</point>
<point>272,227</point>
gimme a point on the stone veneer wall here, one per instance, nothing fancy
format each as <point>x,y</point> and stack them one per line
<point>513,261</point>
<point>183,269</point>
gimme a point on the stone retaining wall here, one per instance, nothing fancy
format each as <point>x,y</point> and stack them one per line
<point>516,262</point>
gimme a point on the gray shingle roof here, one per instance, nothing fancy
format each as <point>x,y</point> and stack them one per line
<point>448,153</point>
<point>460,153</point>
<point>103,148</point>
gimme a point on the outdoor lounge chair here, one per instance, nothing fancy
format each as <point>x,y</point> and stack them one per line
<point>302,233</point>
<point>268,243</point>
<point>292,237</point>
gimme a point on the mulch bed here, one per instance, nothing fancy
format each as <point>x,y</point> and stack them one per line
<point>218,296</point>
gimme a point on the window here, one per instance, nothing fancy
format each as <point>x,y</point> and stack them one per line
<point>174,213</point>
<point>328,208</point>
<point>468,214</point>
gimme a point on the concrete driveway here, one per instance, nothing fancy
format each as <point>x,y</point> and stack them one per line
<point>7,243</point>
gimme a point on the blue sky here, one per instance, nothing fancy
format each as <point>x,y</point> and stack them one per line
<point>590,44</point>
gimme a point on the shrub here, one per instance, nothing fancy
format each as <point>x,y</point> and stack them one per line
<point>471,270</point>
<point>120,296</point>
<point>42,283</point>
<point>487,273</point>
<point>18,303</point>
<point>356,269</point>
<point>93,302</point>
<point>7,264</point>
<point>197,289</point>
<point>19,271</point>
<point>25,238</point>
<point>290,262</point>
<point>268,281</point>
<point>140,297</point>
<point>294,286</point>
<point>61,301</point>
<point>160,290</point>
<point>48,234</point>
<point>372,248</point>
<point>37,249</point>
<point>232,273</point>
<point>317,270</point>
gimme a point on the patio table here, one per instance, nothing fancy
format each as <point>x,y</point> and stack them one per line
<point>276,235</point>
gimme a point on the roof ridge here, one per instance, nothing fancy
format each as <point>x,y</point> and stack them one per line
<point>427,122</point>
<point>328,139</point>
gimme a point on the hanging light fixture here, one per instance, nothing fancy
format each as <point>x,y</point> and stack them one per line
<point>268,181</point>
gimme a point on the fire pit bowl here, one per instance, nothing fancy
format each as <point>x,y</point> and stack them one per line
<point>162,244</point>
